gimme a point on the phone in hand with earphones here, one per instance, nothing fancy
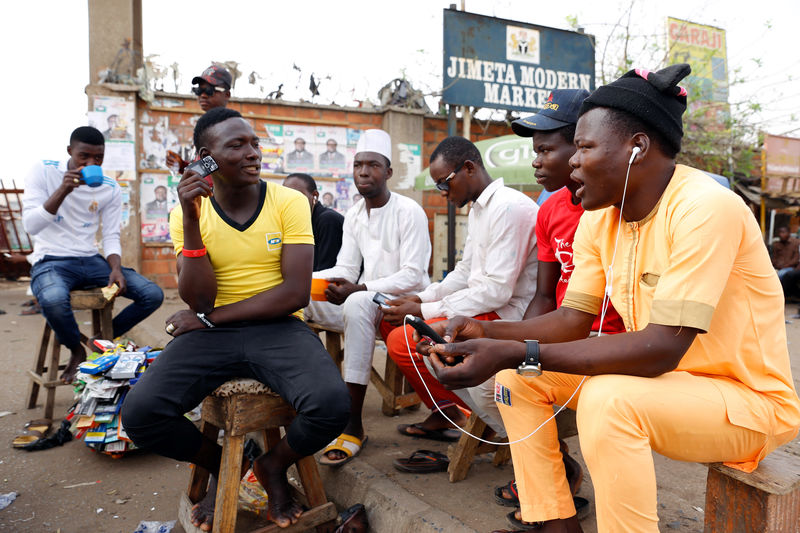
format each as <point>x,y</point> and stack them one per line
<point>424,330</point>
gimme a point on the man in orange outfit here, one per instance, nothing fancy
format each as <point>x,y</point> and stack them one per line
<point>702,373</point>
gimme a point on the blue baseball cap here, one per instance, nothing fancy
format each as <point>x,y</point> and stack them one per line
<point>561,109</point>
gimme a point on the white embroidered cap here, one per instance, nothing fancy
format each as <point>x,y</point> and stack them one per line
<point>377,141</point>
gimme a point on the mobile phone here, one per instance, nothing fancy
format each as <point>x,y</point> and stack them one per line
<point>424,329</point>
<point>380,299</point>
<point>205,167</point>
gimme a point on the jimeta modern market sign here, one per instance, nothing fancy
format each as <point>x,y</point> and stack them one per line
<point>502,64</point>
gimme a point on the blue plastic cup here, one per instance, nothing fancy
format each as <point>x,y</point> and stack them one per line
<point>92,175</point>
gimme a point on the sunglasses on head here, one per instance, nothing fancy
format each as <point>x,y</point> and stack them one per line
<point>208,90</point>
<point>443,185</point>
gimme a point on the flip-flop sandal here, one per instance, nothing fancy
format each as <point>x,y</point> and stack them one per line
<point>442,434</point>
<point>351,517</point>
<point>519,524</point>
<point>347,444</point>
<point>423,462</point>
<point>511,487</point>
<point>581,508</point>
<point>34,431</point>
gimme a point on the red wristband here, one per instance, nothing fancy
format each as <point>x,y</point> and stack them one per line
<point>194,253</point>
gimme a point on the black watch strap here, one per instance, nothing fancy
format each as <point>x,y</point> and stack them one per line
<point>206,322</point>
<point>531,353</point>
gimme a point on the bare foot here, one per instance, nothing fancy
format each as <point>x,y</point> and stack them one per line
<point>76,357</point>
<point>436,421</point>
<point>203,511</point>
<point>283,510</point>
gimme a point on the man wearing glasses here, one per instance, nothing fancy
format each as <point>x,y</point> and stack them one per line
<point>495,279</point>
<point>213,87</point>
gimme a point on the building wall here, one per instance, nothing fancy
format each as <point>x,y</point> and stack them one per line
<point>158,260</point>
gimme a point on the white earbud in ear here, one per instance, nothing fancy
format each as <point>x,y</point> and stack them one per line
<point>635,151</point>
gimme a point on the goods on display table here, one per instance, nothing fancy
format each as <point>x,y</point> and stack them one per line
<point>100,386</point>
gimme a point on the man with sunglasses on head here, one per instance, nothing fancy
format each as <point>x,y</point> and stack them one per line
<point>213,89</point>
<point>495,279</point>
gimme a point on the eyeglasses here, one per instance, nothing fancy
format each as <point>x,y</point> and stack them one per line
<point>442,185</point>
<point>208,90</point>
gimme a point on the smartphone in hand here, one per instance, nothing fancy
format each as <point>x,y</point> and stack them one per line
<point>381,299</point>
<point>205,167</point>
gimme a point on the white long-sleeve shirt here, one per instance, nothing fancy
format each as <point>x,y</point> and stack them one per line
<point>393,242</point>
<point>71,231</point>
<point>499,267</point>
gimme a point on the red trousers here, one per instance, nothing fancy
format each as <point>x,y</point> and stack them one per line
<point>399,352</point>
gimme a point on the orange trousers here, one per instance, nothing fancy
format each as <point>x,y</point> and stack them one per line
<point>398,350</point>
<point>621,421</point>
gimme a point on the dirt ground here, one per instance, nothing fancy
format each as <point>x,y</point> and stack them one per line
<point>72,489</point>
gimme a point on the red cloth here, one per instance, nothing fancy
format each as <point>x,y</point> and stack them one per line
<point>555,230</point>
<point>398,351</point>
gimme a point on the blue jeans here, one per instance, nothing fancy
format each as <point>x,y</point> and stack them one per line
<point>52,278</point>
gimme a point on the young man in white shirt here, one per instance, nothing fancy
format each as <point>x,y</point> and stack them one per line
<point>388,233</point>
<point>62,214</point>
<point>495,279</point>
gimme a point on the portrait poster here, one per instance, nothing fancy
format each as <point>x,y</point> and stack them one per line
<point>330,147</point>
<point>158,196</point>
<point>114,117</point>
<point>298,142</point>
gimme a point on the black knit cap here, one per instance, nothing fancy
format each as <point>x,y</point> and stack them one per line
<point>654,97</point>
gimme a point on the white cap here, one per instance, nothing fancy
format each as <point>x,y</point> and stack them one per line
<point>377,141</point>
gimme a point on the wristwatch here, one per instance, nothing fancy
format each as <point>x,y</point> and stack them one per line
<point>530,367</point>
<point>207,323</point>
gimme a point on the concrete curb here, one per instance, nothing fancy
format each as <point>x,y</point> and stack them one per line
<point>390,508</point>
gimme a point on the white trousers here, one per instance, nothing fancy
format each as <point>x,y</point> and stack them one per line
<point>358,318</point>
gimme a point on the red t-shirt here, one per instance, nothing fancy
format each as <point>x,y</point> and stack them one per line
<point>555,230</point>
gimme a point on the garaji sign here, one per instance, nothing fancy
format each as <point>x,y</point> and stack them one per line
<point>502,64</point>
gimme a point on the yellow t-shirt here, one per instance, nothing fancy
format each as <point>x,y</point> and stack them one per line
<point>247,257</point>
<point>698,260</point>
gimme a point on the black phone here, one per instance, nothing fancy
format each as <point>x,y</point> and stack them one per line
<point>380,299</point>
<point>424,330</point>
<point>205,167</point>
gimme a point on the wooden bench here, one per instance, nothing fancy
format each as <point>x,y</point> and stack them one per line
<point>241,406</point>
<point>462,453</point>
<point>45,373</point>
<point>766,500</point>
<point>392,386</point>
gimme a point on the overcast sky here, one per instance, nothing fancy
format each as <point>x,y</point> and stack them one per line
<point>354,47</point>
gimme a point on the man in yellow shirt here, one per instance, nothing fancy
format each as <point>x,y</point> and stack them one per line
<point>244,269</point>
<point>702,372</point>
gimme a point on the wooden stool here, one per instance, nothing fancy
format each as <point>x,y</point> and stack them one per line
<point>392,386</point>
<point>239,407</point>
<point>463,452</point>
<point>766,500</point>
<point>101,325</point>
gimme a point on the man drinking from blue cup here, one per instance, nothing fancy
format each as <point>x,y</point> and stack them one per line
<point>64,204</point>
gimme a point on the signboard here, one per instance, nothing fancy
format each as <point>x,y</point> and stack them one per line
<point>782,156</point>
<point>704,48</point>
<point>503,64</point>
<point>509,157</point>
